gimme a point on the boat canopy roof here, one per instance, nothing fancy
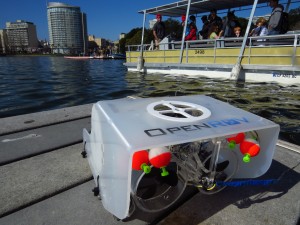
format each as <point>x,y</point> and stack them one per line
<point>177,9</point>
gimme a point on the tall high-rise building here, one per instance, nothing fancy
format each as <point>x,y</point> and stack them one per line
<point>67,29</point>
<point>21,36</point>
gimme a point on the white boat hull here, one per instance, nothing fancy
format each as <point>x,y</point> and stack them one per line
<point>247,75</point>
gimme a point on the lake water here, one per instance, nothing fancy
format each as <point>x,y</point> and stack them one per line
<point>34,84</point>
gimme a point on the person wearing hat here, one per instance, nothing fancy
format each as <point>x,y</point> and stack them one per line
<point>159,31</point>
<point>183,20</point>
<point>205,27</point>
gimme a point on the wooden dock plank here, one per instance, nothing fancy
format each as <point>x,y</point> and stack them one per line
<point>33,120</point>
<point>55,187</point>
<point>24,144</point>
<point>27,181</point>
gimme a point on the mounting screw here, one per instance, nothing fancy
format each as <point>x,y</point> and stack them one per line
<point>96,191</point>
<point>83,153</point>
<point>116,218</point>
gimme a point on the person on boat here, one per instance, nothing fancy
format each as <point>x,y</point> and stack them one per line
<point>274,19</point>
<point>213,32</point>
<point>187,30</point>
<point>192,34</point>
<point>214,19</point>
<point>229,24</point>
<point>237,32</point>
<point>204,32</point>
<point>159,31</point>
<point>260,30</point>
<point>183,20</point>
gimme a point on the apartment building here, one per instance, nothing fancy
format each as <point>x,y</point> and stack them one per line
<point>21,36</point>
<point>100,42</point>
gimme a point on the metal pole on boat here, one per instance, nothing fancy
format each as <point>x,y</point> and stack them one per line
<point>235,72</point>
<point>287,6</point>
<point>140,60</point>
<point>184,29</point>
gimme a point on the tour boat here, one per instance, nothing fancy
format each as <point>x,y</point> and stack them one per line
<point>78,57</point>
<point>246,59</point>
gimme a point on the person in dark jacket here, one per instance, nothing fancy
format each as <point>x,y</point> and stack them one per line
<point>274,19</point>
<point>205,27</point>
<point>214,19</point>
<point>159,31</point>
<point>229,24</point>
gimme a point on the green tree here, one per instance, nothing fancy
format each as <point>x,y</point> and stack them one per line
<point>132,32</point>
<point>294,19</point>
<point>122,43</point>
<point>174,28</point>
<point>134,37</point>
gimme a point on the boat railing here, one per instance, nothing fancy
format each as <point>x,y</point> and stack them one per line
<point>287,40</point>
<point>292,40</point>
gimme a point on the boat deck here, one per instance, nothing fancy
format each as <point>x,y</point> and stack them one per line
<point>44,180</point>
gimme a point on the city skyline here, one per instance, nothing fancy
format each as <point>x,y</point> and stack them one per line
<point>104,19</point>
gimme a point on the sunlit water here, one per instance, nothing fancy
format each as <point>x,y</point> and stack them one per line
<point>33,84</point>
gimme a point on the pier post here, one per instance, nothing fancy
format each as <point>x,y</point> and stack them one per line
<point>236,69</point>
<point>140,60</point>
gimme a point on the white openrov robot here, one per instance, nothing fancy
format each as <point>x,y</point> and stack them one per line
<point>146,151</point>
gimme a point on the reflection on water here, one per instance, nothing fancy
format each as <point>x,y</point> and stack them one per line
<point>32,84</point>
<point>272,101</point>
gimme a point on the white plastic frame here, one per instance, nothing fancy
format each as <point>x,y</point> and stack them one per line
<point>173,109</point>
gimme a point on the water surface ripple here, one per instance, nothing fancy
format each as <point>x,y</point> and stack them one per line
<point>34,84</point>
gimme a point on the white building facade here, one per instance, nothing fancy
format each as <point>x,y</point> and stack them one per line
<point>67,27</point>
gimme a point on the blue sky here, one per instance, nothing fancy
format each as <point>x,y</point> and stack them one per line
<point>105,19</point>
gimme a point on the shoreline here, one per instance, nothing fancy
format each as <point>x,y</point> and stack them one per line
<point>23,55</point>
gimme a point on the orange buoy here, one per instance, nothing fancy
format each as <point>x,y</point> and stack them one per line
<point>160,157</point>
<point>233,141</point>
<point>249,148</point>
<point>140,161</point>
